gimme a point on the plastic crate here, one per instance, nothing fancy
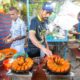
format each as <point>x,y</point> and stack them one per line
<point>51,38</point>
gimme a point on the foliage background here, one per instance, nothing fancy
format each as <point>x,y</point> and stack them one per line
<point>34,7</point>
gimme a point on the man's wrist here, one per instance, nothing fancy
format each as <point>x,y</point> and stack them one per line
<point>42,48</point>
<point>14,39</point>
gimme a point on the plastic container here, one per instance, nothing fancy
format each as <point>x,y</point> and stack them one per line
<point>6,64</point>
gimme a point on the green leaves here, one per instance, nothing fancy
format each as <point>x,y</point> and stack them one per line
<point>43,32</point>
<point>20,54</point>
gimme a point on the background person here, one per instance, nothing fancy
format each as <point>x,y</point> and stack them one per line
<point>76,28</point>
<point>18,31</point>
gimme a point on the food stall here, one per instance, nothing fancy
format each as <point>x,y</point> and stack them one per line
<point>19,67</point>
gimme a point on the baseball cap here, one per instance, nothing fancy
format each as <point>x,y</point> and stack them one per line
<point>48,7</point>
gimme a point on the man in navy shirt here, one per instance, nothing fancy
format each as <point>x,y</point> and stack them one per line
<point>36,43</point>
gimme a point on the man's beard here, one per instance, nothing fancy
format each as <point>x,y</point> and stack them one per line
<point>45,18</point>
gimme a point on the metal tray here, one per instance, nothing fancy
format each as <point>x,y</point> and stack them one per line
<point>28,76</point>
<point>15,76</point>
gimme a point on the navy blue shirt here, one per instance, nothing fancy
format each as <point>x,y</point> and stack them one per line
<point>37,26</point>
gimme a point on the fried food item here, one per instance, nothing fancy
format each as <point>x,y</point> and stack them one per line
<point>58,65</point>
<point>9,52</point>
<point>21,64</point>
<point>2,56</point>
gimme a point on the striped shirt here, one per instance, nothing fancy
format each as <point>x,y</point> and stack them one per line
<point>5,25</point>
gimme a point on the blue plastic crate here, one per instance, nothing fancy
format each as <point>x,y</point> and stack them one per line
<point>51,38</point>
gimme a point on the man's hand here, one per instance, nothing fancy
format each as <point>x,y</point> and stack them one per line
<point>10,40</point>
<point>7,37</point>
<point>47,51</point>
